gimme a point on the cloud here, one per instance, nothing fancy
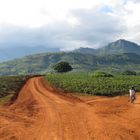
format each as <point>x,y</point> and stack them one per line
<point>94,29</point>
<point>137,1</point>
<point>68,24</point>
<point>35,13</point>
<point>132,20</point>
<point>89,29</point>
<point>97,26</point>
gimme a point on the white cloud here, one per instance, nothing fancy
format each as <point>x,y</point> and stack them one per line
<point>90,29</point>
<point>132,20</point>
<point>35,13</point>
<point>21,13</point>
<point>68,24</point>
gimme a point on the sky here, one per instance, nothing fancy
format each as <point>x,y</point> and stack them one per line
<point>68,24</point>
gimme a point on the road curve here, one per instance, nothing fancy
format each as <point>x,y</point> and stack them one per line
<point>42,114</point>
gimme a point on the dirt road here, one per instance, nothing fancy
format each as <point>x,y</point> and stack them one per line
<point>39,113</point>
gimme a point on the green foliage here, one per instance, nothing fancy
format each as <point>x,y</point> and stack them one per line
<point>5,99</point>
<point>86,83</point>
<point>138,73</point>
<point>62,67</point>
<point>101,74</point>
<point>129,73</point>
<point>11,85</point>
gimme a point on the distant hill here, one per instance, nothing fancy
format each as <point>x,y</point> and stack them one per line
<point>9,53</point>
<point>41,63</point>
<point>117,47</point>
<point>117,56</point>
<point>85,50</point>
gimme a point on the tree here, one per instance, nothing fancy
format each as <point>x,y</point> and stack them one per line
<point>62,67</point>
<point>127,72</point>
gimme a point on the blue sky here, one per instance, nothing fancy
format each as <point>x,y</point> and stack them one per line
<point>68,24</point>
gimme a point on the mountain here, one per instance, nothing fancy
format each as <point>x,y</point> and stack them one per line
<point>9,53</point>
<point>85,50</point>
<point>117,47</point>
<point>117,56</point>
<point>42,63</point>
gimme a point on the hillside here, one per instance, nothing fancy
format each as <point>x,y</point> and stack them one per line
<point>117,47</point>
<point>41,63</point>
<point>120,46</point>
<point>86,50</point>
<point>12,52</point>
<point>116,56</point>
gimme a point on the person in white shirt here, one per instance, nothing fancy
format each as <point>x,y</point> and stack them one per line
<point>132,92</point>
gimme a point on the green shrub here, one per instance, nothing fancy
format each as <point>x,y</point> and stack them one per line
<point>101,74</point>
<point>87,83</point>
<point>11,85</point>
<point>129,73</point>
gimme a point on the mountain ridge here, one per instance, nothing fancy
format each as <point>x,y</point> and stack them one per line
<point>118,47</point>
<point>42,63</point>
<point>10,53</point>
<point>81,60</point>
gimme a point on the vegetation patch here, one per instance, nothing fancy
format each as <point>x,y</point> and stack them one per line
<point>62,67</point>
<point>101,74</point>
<point>10,86</point>
<point>5,99</point>
<point>89,84</point>
<point>127,72</point>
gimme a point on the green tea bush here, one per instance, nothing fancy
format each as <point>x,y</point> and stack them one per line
<point>101,74</point>
<point>129,73</point>
<point>89,84</point>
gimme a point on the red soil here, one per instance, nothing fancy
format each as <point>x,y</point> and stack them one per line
<point>42,114</point>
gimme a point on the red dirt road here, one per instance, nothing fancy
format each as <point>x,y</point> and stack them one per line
<point>41,114</point>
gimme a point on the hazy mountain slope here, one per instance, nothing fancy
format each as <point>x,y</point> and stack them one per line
<point>120,46</point>
<point>118,55</point>
<point>20,51</point>
<point>85,50</point>
<point>117,47</point>
<point>40,63</point>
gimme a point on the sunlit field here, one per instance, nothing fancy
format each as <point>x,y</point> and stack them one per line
<point>88,83</point>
